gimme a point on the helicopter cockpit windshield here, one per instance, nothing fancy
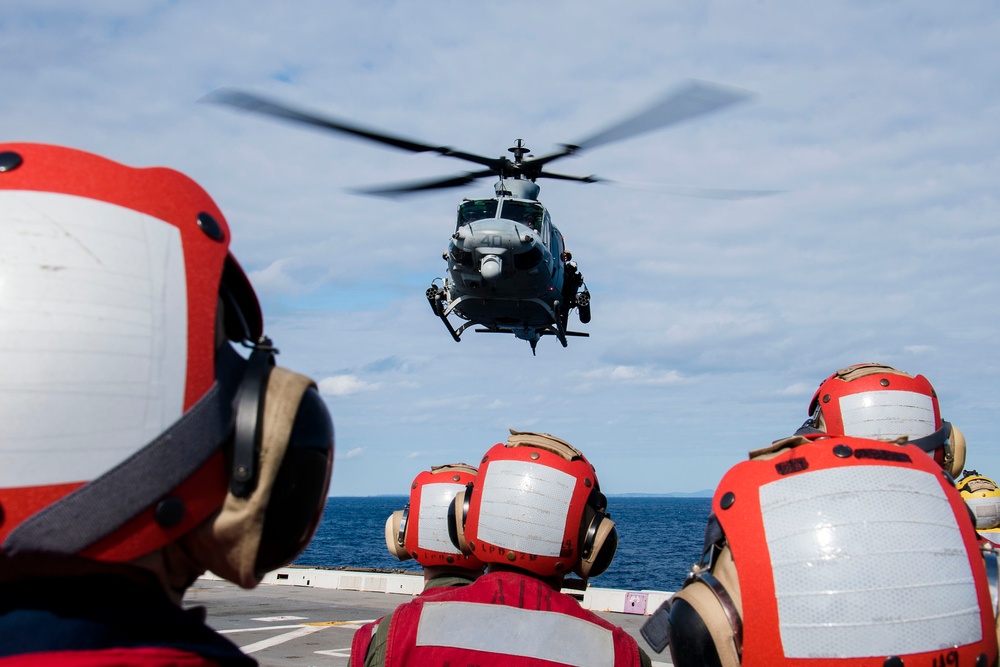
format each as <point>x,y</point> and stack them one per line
<point>526,213</point>
<point>471,210</point>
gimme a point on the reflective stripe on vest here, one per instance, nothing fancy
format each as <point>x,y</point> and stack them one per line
<point>527,633</point>
<point>505,618</point>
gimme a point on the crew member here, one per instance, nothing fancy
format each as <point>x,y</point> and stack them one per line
<point>138,448</point>
<point>827,548</point>
<point>420,531</point>
<point>534,514</point>
<point>983,498</point>
<point>877,401</point>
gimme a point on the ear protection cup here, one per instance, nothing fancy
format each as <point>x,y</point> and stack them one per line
<point>954,458</point>
<point>249,412</point>
<point>457,511</point>
<point>395,533</point>
<point>947,447</point>
<point>706,617</point>
<point>599,542</point>
<point>298,494</point>
<point>698,630</point>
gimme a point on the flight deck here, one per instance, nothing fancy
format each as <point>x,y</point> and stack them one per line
<point>307,616</point>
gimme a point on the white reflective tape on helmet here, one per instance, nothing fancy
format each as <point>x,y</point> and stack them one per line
<point>432,522</point>
<point>528,633</point>
<point>524,507</point>
<point>93,335</point>
<point>887,415</point>
<point>867,561</point>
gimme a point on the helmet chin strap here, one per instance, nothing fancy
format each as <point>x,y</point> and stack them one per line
<point>941,438</point>
<point>808,429</point>
<point>935,440</point>
<point>98,508</point>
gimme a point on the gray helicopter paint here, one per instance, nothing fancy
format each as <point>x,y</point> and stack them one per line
<point>523,300</point>
<point>506,240</point>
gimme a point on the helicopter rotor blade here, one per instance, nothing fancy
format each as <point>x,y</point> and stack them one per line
<point>567,177</point>
<point>693,191</point>
<point>268,107</point>
<point>690,100</point>
<point>401,189</point>
<point>679,190</point>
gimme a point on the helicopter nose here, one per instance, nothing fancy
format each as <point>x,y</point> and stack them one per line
<point>489,268</point>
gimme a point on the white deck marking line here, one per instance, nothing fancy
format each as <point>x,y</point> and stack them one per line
<point>281,639</point>
<point>278,619</point>
<point>354,625</point>
<point>338,624</point>
<point>335,652</point>
<point>259,628</point>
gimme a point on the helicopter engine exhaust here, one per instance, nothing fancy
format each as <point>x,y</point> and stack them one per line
<point>490,267</point>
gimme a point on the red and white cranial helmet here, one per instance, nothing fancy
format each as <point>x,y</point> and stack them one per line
<point>117,294</point>
<point>420,531</point>
<point>879,402</point>
<point>536,505</point>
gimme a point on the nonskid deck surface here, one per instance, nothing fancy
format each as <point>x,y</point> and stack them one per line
<point>296,626</point>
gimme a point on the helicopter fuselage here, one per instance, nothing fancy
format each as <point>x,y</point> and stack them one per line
<point>508,270</point>
<point>503,271</point>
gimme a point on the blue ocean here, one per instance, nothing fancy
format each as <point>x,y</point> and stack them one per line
<point>659,539</point>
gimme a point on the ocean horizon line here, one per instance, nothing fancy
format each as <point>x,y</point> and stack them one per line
<point>704,493</point>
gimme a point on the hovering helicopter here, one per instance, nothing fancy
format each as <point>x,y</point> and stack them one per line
<point>508,268</point>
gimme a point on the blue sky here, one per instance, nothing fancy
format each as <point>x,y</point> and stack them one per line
<point>714,321</point>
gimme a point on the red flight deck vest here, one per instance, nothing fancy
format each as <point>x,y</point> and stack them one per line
<point>505,618</point>
<point>133,657</point>
<point>366,633</point>
<point>855,552</point>
<point>359,642</point>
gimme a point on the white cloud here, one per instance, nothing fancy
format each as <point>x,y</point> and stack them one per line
<point>798,389</point>
<point>345,385</point>
<point>275,278</point>
<point>351,453</point>
<point>643,375</point>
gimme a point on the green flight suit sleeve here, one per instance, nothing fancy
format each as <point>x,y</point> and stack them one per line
<point>376,649</point>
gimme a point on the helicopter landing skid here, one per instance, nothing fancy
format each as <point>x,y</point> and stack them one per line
<point>562,335</point>
<point>455,333</point>
<point>534,341</point>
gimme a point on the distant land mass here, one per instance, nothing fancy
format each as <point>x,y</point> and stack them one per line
<point>704,493</point>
